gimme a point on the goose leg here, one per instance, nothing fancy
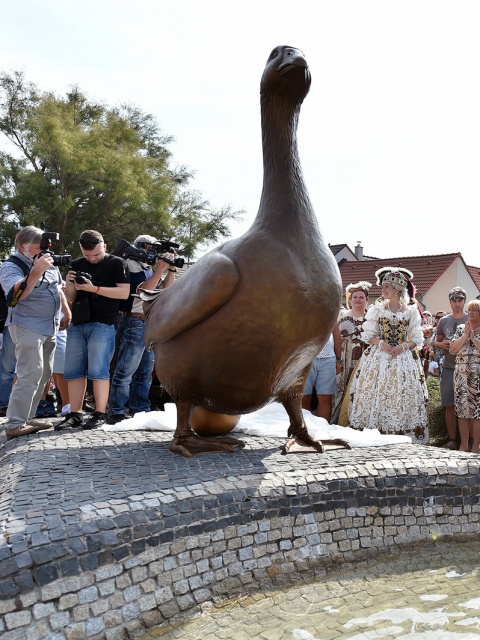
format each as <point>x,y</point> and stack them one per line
<point>300,440</point>
<point>187,443</point>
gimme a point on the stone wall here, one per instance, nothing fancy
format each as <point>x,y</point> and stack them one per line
<point>117,563</point>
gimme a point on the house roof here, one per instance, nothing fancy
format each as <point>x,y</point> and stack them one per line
<point>475,274</point>
<point>426,270</point>
<point>336,248</point>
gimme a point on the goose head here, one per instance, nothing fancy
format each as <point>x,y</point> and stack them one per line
<point>286,74</point>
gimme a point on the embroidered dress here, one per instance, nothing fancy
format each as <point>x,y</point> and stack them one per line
<point>387,392</point>
<point>466,378</point>
<point>353,347</point>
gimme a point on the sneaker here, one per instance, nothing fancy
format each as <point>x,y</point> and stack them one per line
<point>117,418</point>
<point>41,409</point>
<point>97,419</point>
<point>50,410</point>
<point>3,412</point>
<point>72,421</point>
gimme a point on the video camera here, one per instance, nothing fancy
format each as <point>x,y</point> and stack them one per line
<point>46,243</point>
<point>140,254</point>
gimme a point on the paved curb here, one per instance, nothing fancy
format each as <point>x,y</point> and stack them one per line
<point>107,534</point>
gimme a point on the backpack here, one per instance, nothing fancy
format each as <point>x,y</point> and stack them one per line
<point>4,305</point>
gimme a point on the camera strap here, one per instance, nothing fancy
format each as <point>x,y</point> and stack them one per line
<point>13,298</point>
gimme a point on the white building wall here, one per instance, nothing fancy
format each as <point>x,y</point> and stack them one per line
<point>436,299</point>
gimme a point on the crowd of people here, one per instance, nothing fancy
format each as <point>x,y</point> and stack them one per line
<point>371,373</point>
<point>384,353</point>
<point>68,331</point>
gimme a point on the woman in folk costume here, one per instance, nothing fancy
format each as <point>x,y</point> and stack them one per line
<point>388,391</point>
<point>350,323</point>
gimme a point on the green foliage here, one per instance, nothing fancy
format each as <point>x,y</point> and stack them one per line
<point>436,413</point>
<point>196,224</point>
<point>81,165</point>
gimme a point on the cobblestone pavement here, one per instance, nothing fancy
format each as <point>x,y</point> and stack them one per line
<point>96,507</point>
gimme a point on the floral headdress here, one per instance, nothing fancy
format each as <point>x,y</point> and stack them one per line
<point>358,286</point>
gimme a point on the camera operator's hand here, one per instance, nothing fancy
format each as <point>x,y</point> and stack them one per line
<point>42,263</point>
<point>71,276</point>
<point>163,264</point>
<point>86,286</point>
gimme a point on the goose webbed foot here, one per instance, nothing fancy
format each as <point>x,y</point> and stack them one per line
<point>301,442</point>
<point>190,445</point>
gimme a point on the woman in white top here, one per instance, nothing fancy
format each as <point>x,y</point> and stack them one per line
<point>388,391</point>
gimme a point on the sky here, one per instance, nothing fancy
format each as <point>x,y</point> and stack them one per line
<point>389,135</point>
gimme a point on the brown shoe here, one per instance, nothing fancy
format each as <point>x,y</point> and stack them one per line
<point>23,430</point>
<point>42,424</point>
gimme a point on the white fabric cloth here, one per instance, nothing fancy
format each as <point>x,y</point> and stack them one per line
<point>270,421</point>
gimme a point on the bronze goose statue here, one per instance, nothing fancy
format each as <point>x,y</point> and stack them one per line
<point>241,328</point>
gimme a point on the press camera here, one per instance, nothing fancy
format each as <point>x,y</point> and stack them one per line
<point>141,254</point>
<point>81,277</point>
<point>46,243</point>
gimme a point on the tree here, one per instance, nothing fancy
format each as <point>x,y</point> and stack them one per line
<point>196,224</point>
<point>80,165</point>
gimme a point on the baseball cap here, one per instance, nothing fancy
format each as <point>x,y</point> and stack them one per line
<point>457,292</point>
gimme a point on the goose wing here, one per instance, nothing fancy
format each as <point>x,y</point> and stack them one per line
<point>206,287</point>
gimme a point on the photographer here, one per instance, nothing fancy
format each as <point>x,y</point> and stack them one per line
<point>32,286</point>
<point>132,377</point>
<point>95,285</point>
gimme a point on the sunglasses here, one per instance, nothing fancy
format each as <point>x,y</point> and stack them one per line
<point>457,298</point>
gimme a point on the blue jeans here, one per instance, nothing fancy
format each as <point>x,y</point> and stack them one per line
<point>89,351</point>
<point>132,377</point>
<point>7,368</point>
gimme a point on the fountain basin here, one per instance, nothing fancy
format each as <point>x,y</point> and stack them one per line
<point>108,534</point>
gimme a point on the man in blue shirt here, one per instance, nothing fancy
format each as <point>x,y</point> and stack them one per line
<point>32,324</point>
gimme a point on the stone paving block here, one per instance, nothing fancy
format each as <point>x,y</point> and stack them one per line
<point>109,571</point>
<point>90,594</point>
<point>81,613</point>
<point>151,618</point>
<point>59,620</point>
<point>130,611</point>
<point>75,631</point>
<point>94,626</point>
<point>163,595</point>
<point>113,618</point>
<point>17,619</point>
<point>7,605</point>
<point>99,607</point>
<point>42,610</point>
<point>40,631</point>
